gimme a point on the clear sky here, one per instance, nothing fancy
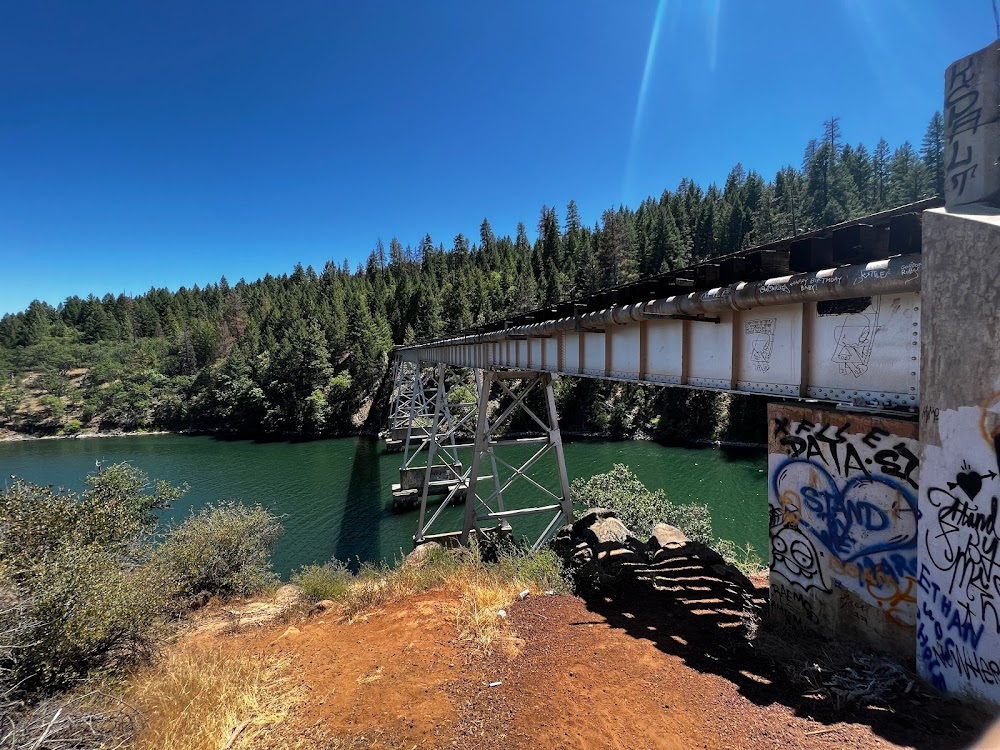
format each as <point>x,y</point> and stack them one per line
<point>170,143</point>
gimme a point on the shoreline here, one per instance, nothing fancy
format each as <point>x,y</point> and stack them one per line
<point>18,437</point>
<point>21,437</point>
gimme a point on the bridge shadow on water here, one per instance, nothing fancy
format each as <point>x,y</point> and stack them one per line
<point>359,539</point>
<point>713,623</point>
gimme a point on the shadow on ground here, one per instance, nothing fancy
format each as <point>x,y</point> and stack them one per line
<point>718,626</point>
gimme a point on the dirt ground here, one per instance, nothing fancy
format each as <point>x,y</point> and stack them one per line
<point>641,668</point>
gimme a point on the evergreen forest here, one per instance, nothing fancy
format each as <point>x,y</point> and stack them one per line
<point>307,353</point>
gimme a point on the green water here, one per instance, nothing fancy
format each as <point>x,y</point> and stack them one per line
<point>334,497</point>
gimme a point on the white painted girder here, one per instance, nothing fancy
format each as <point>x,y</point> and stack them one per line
<point>790,350</point>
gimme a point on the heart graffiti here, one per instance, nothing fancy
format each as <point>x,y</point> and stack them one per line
<point>970,482</point>
<point>863,517</point>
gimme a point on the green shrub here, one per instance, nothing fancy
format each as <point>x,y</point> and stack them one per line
<point>222,550</point>
<point>542,566</point>
<point>462,394</point>
<point>75,584</point>
<point>10,399</point>
<point>85,612</point>
<point>639,508</point>
<point>331,580</point>
<point>114,512</point>
<point>54,405</point>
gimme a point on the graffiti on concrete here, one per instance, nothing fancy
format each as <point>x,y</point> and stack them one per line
<point>963,111</point>
<point>843,513</point>
<point>958,634</point>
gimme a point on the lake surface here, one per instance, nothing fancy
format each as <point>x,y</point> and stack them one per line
<point>334,495</point>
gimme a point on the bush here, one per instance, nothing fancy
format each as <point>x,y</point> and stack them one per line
<point>54,405</point>
<point>86,612</point>
<point>75,583</point>
<point>84,590</point>
<point>329,581</point>
<point>223,550</point>
<point>114,512</point>
<point>479,574</point>
<point>640,509</point>
<point>543,567</point>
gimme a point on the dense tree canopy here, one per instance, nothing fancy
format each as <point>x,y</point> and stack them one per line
<point>303,353</point>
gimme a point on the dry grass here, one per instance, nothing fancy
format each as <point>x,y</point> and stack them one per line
<point>91,720</point>
<point>207,698</point>
<point>482,588</point>
<point>477,614</point>
<point>374,676</point>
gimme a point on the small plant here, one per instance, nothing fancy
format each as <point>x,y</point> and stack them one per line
<point>744,558</point>
<point>331,580</point>
<point>89,614</point>
<point>486,579</point>
<point>543,568</point>
<point>54,406</point>
<point>75,584</point>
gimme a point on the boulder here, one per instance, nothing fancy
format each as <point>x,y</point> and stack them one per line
<point>287,596</point>
<point>588,519</point>
<point>581,554</point>
<point>562,543</point>
<point>727,572</point>
<point>694,551</point>
<point>704,554</point>
<point>419,555</point>
<point>613,559</point>
<point>598,537</point>
<point>610,532</point>
<point>665,535</point>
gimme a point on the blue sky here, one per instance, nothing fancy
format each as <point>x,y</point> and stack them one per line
<point>167,144</point>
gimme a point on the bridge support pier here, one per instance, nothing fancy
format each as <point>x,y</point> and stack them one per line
<point>430,463</point>
<point>403,394</point>
<point>500,462</point>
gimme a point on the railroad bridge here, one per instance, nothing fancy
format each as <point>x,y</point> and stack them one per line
<point>877,339</point>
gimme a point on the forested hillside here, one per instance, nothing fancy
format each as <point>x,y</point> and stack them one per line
<point>305,353</point>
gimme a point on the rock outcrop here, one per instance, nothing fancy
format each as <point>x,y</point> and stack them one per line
<point>599,543</point>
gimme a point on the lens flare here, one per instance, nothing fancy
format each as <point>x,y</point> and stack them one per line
<point>640,103</point>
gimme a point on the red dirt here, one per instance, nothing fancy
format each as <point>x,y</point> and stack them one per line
<point>630,671</point>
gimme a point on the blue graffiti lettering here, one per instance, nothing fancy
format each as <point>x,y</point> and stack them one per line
<point>847,522</point>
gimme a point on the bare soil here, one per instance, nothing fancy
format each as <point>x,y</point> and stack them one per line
<point>637,668</point>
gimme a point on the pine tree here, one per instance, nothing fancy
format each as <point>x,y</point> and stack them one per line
<point>858,164</point>
<point>908,180</point>
<point>614,252</point>
<point>880,175</point>
<point>932,153</point>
